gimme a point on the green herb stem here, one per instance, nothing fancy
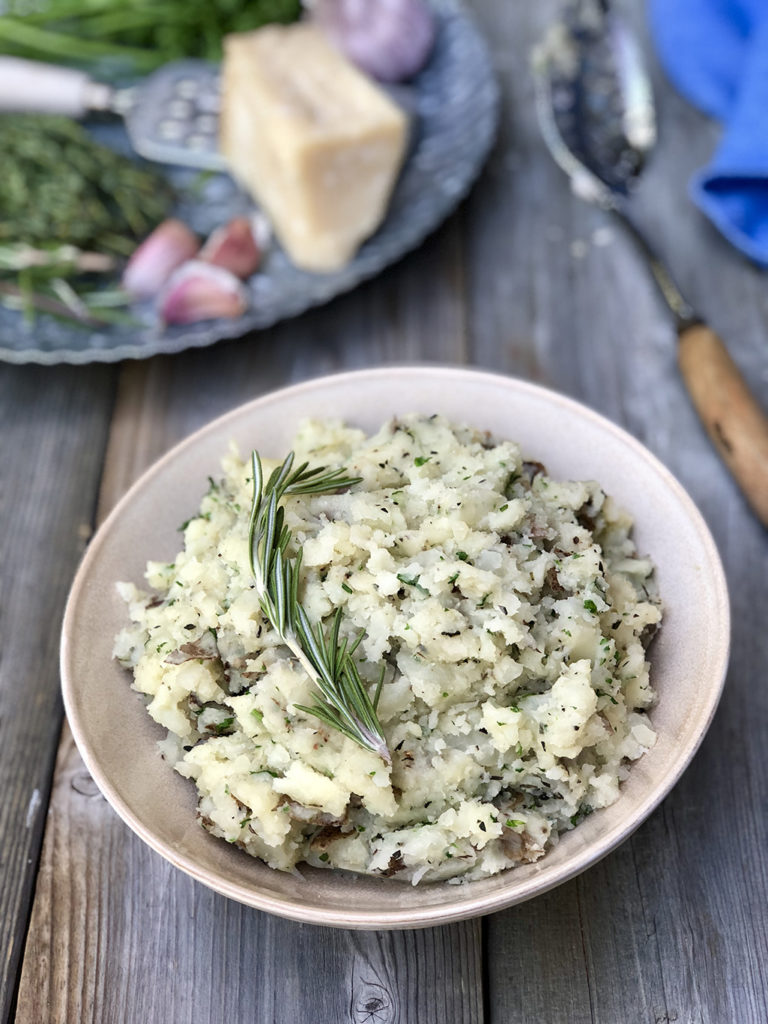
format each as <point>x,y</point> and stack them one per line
<point>140,36</point>
<point>40,41</point>
<point>342,702</point>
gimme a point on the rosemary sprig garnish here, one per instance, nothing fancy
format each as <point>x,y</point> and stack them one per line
<point>343,702</point>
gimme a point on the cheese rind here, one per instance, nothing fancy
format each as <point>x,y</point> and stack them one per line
<point>317,143</point>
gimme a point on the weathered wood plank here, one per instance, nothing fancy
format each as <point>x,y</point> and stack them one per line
<point>521,281</point>
<point>49,476</point>
<point>673,925</point>
<point>116,934</point>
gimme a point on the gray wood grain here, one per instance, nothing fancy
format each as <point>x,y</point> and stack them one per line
<point>48,478</point>
<point>527,280</point>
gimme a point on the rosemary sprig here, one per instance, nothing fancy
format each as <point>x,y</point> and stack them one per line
<point>343,702</point>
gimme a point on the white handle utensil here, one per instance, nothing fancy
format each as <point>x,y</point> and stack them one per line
<point>171,115</point>
<point>26,86</point>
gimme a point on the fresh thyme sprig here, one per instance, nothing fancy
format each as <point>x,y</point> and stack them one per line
<point>343,702</point>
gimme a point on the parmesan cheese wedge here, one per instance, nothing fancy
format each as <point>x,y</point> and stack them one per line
<point>316,143</point>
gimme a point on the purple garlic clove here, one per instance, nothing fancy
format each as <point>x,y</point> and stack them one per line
<point>233,247</point>
<point>390,39</point>
<point>152,263</point>
<point>201,291</point>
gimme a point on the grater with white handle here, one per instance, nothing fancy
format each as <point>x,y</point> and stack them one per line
<point>171,116</point>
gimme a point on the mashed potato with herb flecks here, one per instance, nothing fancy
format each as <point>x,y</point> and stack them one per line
<point>511,611</point>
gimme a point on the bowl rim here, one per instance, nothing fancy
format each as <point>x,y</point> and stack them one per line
<point>457,908</point>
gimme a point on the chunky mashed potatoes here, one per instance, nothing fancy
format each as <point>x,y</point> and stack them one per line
<point>511,610</point>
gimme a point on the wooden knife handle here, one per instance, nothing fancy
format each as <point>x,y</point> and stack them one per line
<point>733,419</point>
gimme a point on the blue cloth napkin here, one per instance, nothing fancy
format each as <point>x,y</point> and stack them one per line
<point>716,53</point>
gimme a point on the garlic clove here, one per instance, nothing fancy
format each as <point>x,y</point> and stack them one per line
<point>234,247</point>
<point>201,291</point>
<point>152,263</point>
<point>390,39</point>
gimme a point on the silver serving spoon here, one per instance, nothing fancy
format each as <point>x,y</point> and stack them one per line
<point>171,116</point>
<point>596,113</point>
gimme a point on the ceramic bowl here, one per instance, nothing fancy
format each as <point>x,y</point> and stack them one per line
<point>118,740</point>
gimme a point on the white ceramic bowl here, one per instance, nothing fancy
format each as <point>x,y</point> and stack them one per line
<point>117,739</point>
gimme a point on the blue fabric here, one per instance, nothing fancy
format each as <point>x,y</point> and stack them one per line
<point>716,53</point>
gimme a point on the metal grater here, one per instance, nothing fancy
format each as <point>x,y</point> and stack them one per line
<point>172,115</point>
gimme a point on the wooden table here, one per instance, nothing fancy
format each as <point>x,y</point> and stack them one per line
<point>526,280</point>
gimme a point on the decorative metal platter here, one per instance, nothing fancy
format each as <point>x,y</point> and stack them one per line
<point>454,103</point>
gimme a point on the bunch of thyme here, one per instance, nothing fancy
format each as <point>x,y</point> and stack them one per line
<point>342,701</point>
<point>70,210</point>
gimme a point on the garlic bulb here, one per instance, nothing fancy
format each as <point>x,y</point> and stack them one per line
<point>234,247</point>
<point>390,39</point>
<point>152,263</point>
<point>201,291</point>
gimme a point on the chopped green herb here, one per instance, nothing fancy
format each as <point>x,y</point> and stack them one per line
<point>462,556</point>
<point>580,815</point>
<point>590,606</point>
<point>413,582</point>
<point>514,823</point>
<point>346,587</point>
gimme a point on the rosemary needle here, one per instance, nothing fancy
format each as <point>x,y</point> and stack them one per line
<point>343,701</point>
